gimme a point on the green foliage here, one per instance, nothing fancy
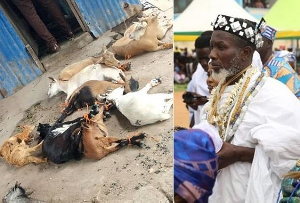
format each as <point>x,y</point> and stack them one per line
<point>180,87</point>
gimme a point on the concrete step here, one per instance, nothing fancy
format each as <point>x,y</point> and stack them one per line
<point>67,47</point>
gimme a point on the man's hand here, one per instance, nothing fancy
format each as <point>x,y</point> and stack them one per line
<point>193,99</point>
<point>229,154</point>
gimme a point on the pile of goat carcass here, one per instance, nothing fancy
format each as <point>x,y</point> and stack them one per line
<point>98,83</point>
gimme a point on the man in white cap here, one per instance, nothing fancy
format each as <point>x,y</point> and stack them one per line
<point>256,116</point>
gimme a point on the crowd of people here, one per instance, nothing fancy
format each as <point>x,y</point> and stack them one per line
<point>185,64</point>
<point>244,132</point>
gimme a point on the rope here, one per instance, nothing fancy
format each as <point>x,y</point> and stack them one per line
<point>277,201</point>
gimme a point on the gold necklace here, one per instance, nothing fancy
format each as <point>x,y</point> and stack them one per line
<point>217,97</point>
<point>239,102</point>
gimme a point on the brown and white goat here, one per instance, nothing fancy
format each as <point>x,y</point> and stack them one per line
<point>106,57</point>
<point>90,92</point>
<point>136,43</point>
<point>16,151</point>
<point>96,142</point>
<point>86,95</point>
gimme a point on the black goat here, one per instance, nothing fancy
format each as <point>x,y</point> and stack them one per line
<point>62,140</point>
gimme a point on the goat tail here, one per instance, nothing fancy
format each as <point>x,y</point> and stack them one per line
<point>134,140</point>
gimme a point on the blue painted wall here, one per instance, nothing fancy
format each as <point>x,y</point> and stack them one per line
<point>102,15</point>
<point>17,68</point>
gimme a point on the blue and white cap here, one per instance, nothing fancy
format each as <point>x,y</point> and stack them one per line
<point>266,31</point>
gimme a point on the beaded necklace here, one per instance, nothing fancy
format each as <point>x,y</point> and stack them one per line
<point>235,97</point>
<point>240,110</point>
<point>218,92</point>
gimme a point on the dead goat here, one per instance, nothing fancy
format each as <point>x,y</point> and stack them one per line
<point>17,194</point>
<point>142,37</point>
<point>140,107</point>
<point>90,92</point>
<point>91,72</point>
<point>105,57</point>
<point>62,141</point>
<point>16,150</point>
<point>96,142</point>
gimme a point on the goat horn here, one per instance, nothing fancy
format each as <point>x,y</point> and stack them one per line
<point>51,78</point>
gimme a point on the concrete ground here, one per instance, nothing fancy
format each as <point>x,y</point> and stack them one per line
<point>129,175</point>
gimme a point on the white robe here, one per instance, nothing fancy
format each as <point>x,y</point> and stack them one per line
<point>199,86</point>
<point>271,126</point>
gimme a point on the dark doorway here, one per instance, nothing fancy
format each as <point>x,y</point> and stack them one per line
<point>30,36</point>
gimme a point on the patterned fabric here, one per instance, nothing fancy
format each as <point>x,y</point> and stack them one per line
<point>266,30</point>
<point>195,165</point>
<point>280,69</point>
<point>289,56</point>
<point>242,28</point>
<point>290,186</point>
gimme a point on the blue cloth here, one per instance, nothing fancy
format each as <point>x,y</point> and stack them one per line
<point>195,165</point>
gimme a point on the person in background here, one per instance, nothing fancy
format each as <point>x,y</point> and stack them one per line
<point>28,10</point>
<point>288,56</point>
<point>210,81</point>
<point>258,4</point>
<point>276,66</point>
<point>197,91</point>
<point>256,117</point>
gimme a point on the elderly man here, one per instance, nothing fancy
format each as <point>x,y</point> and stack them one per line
<point>256,116</point>
<point>277,67</point>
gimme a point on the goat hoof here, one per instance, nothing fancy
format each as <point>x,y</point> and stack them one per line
<point>155,82</point>
<point>107,114</point>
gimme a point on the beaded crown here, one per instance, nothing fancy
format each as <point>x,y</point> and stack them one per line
<point>240,27</point>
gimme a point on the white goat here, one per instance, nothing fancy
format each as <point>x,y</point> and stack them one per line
<point>141,108</point>
<point>106,57</point>
<point>91,72</point>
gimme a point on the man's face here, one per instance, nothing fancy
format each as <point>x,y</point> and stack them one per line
<point>203,57</point>
<point>225,55</point>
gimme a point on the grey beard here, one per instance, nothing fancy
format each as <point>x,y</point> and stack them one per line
<point>224,73</point>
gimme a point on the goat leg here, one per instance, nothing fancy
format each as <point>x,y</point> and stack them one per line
<point>35,148</point>
<point>163,45</point>
<point>76,143</point>
<point>149,85</point>
<point>134,140</point>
